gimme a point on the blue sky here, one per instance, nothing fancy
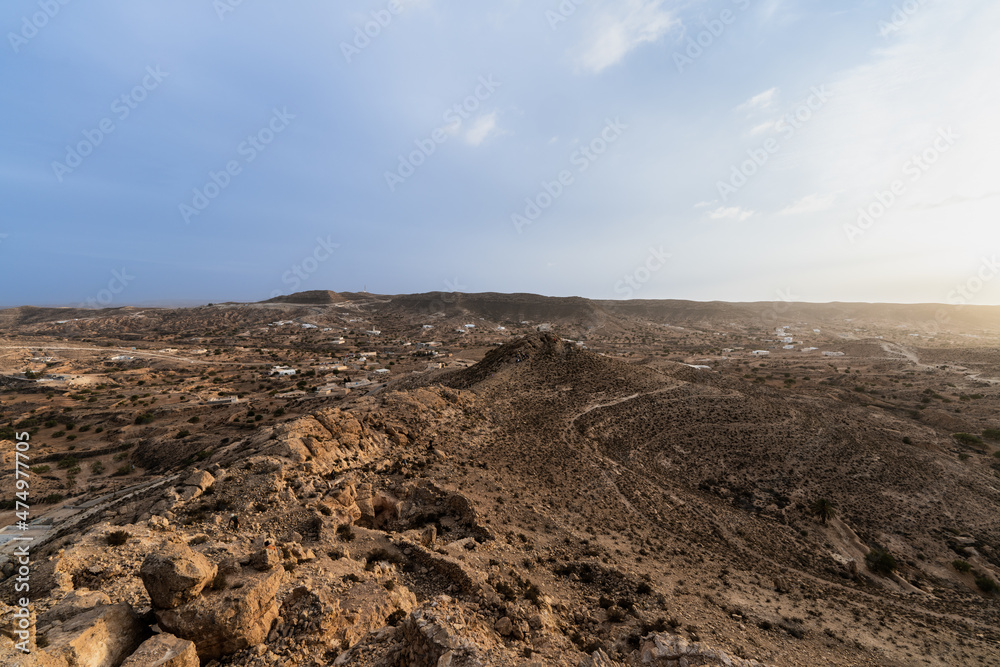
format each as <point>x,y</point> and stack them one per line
<point>208,151</point>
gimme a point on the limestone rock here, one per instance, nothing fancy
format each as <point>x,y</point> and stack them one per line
<point>265,559</point>
<point>175,574</point>
<point>222,622</point>
<point>664,649</point>
<point>100,637</point>
<point>164,650</point>
<point>76,602</point>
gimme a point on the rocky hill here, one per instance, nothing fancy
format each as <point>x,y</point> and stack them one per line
<point>546,506</point>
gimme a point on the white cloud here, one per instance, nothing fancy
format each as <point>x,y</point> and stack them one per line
<point>620,30</point>
<point>813,203</point>
<point>759,102</point>
<point>769,126</point>
<point>730,213</point>
<point>482,128</point>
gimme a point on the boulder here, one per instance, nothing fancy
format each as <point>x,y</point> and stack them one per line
<point>175,574</point>
<point>164,650</point>
<point>196,484</point>
<point>201,480</point>
<point>76,602</point>
<point>100,637</point>
<point>223,622</point>
<point>266,559</point>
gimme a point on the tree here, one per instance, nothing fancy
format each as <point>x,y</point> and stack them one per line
<point>824,509</point>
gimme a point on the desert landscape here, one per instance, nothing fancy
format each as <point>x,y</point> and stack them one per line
<point>502,479</point>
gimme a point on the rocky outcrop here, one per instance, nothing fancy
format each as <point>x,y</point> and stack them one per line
<point>330,435</point>
<point>175,574</point>
<point>672,651</point>
<point>430,637</point>
<point>226,621</point>
<point>164,650</point>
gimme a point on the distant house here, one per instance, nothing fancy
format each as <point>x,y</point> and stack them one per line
<point>368,355</point>
<point>358,383</point>
<point>282,371</point>
<point>332,390</point>
<point>428,326</point>
<point>833,354</point>
<point>122,357</point>
<point>470,326</point>
<point>760,353</point>
<point>291,394</point>
<point>225,400</point>
<point>337,341</point>
<point>382,371</point>
<point>373,332</point>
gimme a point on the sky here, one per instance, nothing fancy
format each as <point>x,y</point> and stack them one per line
<point>736,150</point>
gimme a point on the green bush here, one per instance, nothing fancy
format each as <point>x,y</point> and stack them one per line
<point>144,418</point>
<point>68,462</point>
<point>986,584</point>
<point>991,433</point>
<point>40,470</point>
<point>968,439</point>
<point>879,560</point>
<point>961,565</point>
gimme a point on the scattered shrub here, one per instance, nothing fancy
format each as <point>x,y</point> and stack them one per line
<point>961,565</point>
<point>879,560</point>
<point>967,439</point>
<point>986,584</point>
<point>117,538</point>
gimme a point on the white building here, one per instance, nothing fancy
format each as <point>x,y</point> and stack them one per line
<point>373,332</point>
<point>760,353</point>
<point>282,371</point>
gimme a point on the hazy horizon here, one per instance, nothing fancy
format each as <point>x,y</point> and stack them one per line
<point>727,150</point>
